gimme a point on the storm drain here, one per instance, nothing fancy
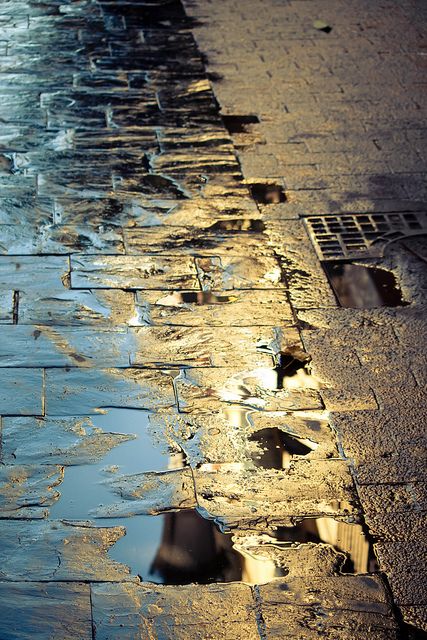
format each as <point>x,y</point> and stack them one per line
<point>355,235</point>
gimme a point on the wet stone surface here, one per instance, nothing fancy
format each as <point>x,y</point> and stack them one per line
<point>189,423</point>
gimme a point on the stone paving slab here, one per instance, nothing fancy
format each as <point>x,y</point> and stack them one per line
<point>84,390</point>
<point>27,491</point>
<point>45,610</point>
<point>21,391</point>
<point>344,607</point>
<point>207,390</point>
<point>214,309</point>
<point>191,241</point>
<point>32,273</point>
<point>261,498</point>
<point>17,239</point>
<point>230,436</point>
<point>132,272</point>
<point>55,441</point>
<point>205,612</point>
<point>50,346</point>
<point>210,347</point>
<point>69,307</point>
<point>55,551</point>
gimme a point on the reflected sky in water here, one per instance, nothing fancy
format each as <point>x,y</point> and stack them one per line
<point>83,490</point>
<point>183,547</point>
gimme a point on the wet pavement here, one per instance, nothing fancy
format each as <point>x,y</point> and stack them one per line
<point>212,308</point>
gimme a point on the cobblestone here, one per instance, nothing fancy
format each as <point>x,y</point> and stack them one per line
<point>341,128</point>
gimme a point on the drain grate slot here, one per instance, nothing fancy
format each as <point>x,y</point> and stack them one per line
<point>339,237</point>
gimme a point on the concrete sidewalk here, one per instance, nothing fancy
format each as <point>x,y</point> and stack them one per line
<point>197,439</point>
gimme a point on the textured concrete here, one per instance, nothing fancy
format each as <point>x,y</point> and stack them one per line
<point>341,129</point>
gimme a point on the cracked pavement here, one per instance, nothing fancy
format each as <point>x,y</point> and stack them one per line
<point>212,415</point>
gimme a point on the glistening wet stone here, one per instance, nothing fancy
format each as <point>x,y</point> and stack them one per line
<point>364,286</point>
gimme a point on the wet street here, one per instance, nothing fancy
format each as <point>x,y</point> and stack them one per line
<point>212,306</point>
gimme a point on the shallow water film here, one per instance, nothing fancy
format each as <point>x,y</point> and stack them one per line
<point>212,316</point>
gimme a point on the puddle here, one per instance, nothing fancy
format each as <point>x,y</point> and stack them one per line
<point>288,366</point>
<point>413,633</point>
<point>267,193</point>
<point>321,25</point>
<point>193,549</point>
<point>276,448</point>
<point>345,537</point>
<point>238,224</point>
<point>173,548</point>
<point>83,490</point>
<point>194,297</point>
<point>239,124</point>
<point>183,547</point>
<point>363,287</point>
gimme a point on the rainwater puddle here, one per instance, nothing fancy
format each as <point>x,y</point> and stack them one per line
<point>342,536</point>
<point>288,366</point>
<point>173,548</point>
<point>83,490</point>
<point>239,124</point>
<point>193,549</point>
<point>363,287</point>
<point>277,448</point>
<point>413,633</point>
<point>266,193</point>
<point>194,297</point>
<point>183,547</point>
<point>238,224</point>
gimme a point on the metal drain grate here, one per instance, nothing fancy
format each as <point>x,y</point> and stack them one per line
<point>362,234</point>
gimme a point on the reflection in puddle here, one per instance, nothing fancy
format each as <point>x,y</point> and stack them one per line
<point>239,224</point>
<point>192,549</point>
<point>363,287</point>
<point>194,297</point>
<point>183,546</point>
<point>292,372</point>
<point>277,448</point>
<point>345,537</point>
<point>239,124</point>
<point>267,193</point>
